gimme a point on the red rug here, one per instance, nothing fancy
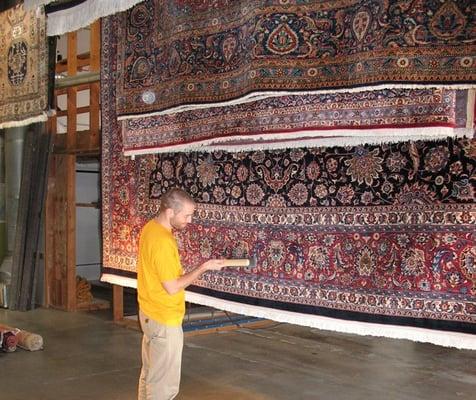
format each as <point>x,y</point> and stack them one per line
<point>175,55</point>
<point>370,117</point>
<point>377,234</point>
<point>374,117</point>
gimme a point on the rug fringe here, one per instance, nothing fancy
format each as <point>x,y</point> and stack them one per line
<point>264,95</point>
<point>13,124</point>
<point>470,109</point>
<point>330,138</point>
<point>32,4</point>
<point>119,280</point>
<point>440,338</point>
<point>74,18</point>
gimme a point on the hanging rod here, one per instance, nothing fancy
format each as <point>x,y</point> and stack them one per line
<point>75,80</point>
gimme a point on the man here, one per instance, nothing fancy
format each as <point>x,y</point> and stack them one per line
<point>160,290</point>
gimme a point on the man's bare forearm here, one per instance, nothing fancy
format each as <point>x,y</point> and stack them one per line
<point>187,279</point>
<point>181,283</point>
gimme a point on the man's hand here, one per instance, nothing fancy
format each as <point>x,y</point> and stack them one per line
<point>213,265</point>
<point>172,287</point>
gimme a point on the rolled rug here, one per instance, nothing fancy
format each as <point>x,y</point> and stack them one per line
<point>9,341</point>
<point>26,340</point>
<point>29,341</point>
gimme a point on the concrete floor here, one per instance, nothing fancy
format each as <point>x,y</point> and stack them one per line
<point>88,357</point>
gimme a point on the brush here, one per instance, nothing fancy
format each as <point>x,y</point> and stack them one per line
<point>241,262</point>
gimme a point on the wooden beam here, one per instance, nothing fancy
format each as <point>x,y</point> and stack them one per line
<point>95,45</point>
<point>70,172</point>
<point>83,60</point>
<point>71,91</point>
<point>71,230</point>
<point>71,121</point>
<point>50,218</point>
<point>94,115</point>
<point>81,146</point>
<point>261,324</point>
<point>117,303</point>
<point>72,62</point>
<point>93,204</point>
<point>79,110</point>
<point>79,88</point>
<point>60,257</point>
<point>94,95</point>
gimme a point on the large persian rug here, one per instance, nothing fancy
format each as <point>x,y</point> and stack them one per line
<point>178,55</point>
<point>23,67</point>
<point>366,239</point>
<point>377,116</point>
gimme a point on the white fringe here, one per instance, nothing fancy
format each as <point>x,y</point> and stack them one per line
<point>74,18</point>
<point>264,95</point>
<point>119,280</point>
<point>470,109</point>
<point>12,124</point>
<point>317,138</point>
<point>440,338</point>
<point>33,4</point>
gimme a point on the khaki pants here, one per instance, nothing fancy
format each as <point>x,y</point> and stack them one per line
<point>161,360</point>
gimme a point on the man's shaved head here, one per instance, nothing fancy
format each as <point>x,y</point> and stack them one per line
<point>175,199</point>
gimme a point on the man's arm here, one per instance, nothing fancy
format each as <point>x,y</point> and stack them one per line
<point>176,285</point>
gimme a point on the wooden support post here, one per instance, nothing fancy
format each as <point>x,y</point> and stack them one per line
<point>117,303</point>
<point>71,93</point>
<point>60,226</point>
<point>49,225</point>
<point>70,179</point>
<point>70,164</point>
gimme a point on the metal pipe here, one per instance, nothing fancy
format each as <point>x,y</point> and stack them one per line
<point>75,80</point>
<point>14,142</point>
<point>194,316</point>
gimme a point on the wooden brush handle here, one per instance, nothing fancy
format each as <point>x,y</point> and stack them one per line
<point>237,262</point>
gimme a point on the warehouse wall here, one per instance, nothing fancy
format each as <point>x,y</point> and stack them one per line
<point>88,228</point>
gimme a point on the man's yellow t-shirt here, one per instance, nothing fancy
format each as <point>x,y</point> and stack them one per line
<point>159,261</point>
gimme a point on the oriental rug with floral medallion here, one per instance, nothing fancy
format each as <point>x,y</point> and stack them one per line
<point>23,67</point>
<point>180,55</point>
<point>382,234</point>
<point>371,117</point>
<point>297,120</point>
<point>365,239</point>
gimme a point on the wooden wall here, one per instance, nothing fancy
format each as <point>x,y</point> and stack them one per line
<point>60,219</point>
